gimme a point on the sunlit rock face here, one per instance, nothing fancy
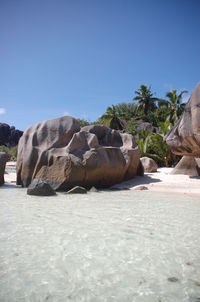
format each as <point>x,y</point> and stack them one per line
<point>149,164</point>
<point>60,153</point>
<point>188,165</point>
<point>184,138</point>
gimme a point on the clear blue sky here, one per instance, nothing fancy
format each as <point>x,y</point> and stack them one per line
<point>80,56</point>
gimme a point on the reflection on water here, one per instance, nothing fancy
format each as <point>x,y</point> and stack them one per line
<point>111,246</point>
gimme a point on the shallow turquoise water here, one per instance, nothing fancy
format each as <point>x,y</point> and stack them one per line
<point>113,246</point>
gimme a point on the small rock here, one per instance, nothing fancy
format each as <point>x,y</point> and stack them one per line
<point>93,189</point>
<point>141,188</point>
<point>172,279</point>
<point>149,164</point>
<point>77,190</point>
<point>188,263</point>
<point>40,188</point>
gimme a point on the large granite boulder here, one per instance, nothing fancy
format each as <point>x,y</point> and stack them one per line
<point>60,153</point>
<point>188,165</point>
<point>3,160</point>
<point>149,164</point>
<point>184,138</point>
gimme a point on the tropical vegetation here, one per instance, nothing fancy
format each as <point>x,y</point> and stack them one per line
<point>149,119</point>
<point>12,152</point>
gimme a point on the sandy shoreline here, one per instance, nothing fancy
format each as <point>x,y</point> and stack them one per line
<point>161,181</point>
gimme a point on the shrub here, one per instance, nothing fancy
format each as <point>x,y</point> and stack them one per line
<point>12,152</point>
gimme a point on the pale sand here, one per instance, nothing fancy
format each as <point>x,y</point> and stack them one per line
<point>11,176</point>
<point>11,163</point>
<point>161,181</point>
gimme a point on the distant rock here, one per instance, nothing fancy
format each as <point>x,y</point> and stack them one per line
<point>40,188</point>
<point>149,164</point>
<point>141,125</point>
<point>77,190</point>
<point>184,138</point>
<point>4,134</point>
<point>93,189</point>
<point>15,135</point>
<point>9,136</point>
<point>188,165</point>
<point>60,153</point>
<point>3,160</point>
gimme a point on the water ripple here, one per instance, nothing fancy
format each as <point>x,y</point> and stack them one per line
<point>109,246</point>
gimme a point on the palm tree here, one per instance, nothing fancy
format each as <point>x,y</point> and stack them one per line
<point>175,104</point>
<point>145,98</point>
<point>126,111</point>
<point>113,117</point>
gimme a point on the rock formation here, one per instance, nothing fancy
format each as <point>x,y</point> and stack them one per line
<point>145,126</point>
<point>149,164</point>
<point>60,153</point>
<point>9,136</point>
<point>188,165</point>
<point>184,138</point>
<point>3,160</point>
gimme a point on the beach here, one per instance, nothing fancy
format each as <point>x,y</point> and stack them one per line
<point>160,181</point>
<point>164,181</point>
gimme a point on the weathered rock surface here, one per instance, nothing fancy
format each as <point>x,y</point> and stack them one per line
<point>59,152</point>
<point>141,125</point>
<point>188,165</point>
<point>149,164</point>
<point>3,160</point>
<point>40,188</point>
<point>77,190</point>
<point>9,136</point>
<point>184,138</point>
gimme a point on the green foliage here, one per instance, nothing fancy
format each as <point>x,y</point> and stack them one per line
<point>154,146</point>
<point>161,115</point>
<point>164,127</point>
<point>145,99</point>
<point>112,118</point>
<point>12,152</point>
<point>102,121</point>
<point>131,127</point>
<point>83,122</point>
<point>175,105</point>
<point>126,110</point>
